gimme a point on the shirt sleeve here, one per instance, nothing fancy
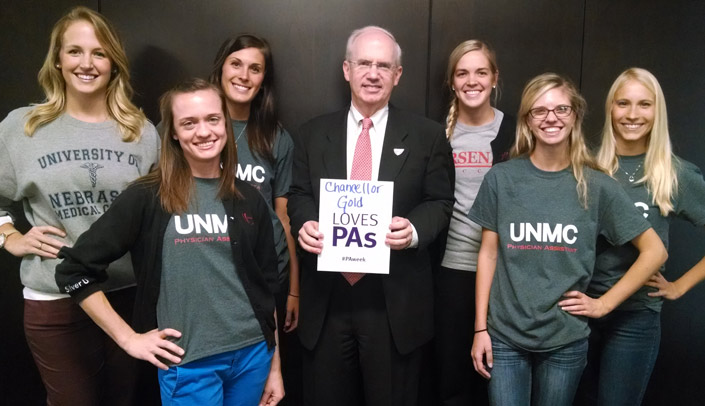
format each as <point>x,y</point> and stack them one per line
<point>110,237</point>
<point>150,132</point>
<point>284,158</point>
<point>620,220</point>
<point>8,174</point>
<point>690,198</point>
<point>484,209</point>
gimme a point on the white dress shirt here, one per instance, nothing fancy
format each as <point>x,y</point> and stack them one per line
<point>379,127</point>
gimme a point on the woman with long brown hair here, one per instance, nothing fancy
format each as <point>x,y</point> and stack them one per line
<point>244,69</point>
<point>201,243</point>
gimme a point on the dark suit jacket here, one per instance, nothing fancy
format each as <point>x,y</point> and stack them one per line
<point>423,177</point>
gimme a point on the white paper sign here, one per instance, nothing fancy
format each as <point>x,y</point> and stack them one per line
<point>354,217</point>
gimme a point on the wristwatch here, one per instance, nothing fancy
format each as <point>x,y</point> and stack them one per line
<point>3,237</point>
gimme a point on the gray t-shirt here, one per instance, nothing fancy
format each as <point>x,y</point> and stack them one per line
<point>546,247</point>
<point>200,293</point>
<point>272,179</point>
<point>472,156</point>
<point>689,204</point>
<point>66,175</point>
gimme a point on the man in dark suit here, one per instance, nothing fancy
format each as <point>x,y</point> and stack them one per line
<point>362,337</point>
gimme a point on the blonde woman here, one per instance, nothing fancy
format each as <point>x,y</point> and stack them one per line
<point>541,214</point>
<point>481,136</point>
<point>67,159</point>
<point>636,150</point>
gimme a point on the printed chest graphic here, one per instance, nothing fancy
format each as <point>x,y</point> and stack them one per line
<point>543,237</point>
<point>197,228</point>
<point>84,182</point>
<point>472,159</point>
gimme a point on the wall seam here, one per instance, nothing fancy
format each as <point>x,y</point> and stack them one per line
<point>582,46</point>
<point>428,59</point>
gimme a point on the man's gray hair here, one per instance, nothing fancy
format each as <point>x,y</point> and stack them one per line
<point>364,30</point>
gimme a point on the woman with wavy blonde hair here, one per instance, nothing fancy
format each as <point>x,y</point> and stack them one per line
<point>541,214</point>
<point>480,136</point>
<point>118,93</point>
<point>636,150</point>
<point>67,159</point>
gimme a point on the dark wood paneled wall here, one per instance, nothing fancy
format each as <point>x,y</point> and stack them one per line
<point>529,38</point>
<point>590,41</point>
<point>307,38</point>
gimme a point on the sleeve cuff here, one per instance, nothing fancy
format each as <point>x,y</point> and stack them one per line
<point>5,219</point>
<point>414,238</point>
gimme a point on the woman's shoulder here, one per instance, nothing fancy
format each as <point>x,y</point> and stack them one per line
<point>686,168</point>
<point>599,178</point>
<point>283,140</point>
<point>510,165</point>
<point>148,134</point>
<point>12,134</point>
<point>149,129</point>
<point>142,187</point>
<point>17,116</point>
<point>509,171</point>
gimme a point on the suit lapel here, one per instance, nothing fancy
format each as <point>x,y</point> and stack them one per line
<point>335,156</point>
<point>394,150</point>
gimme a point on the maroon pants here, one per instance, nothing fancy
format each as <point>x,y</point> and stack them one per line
<point>79,363</point>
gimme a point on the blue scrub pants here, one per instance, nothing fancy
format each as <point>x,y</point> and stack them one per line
<point>234,378</point>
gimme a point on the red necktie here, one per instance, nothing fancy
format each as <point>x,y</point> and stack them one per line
<point>361,170</point>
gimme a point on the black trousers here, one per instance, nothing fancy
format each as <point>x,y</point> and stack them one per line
<point>289,351</point>
<point>355,361</point>
<point>457,382</point>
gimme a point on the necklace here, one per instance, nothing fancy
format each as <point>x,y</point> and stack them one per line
<point>633,174</point>
<point>241,132</point>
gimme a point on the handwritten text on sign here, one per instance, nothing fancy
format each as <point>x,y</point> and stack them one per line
<point>354,217</point>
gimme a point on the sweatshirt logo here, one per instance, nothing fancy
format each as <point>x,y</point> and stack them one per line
<point>250,173</point>
<point>92,171</point>
<point>472,159</point>
<point>195,223</point>
<point>543,232</point>
<point>77,285</point>
<point>89,154</point>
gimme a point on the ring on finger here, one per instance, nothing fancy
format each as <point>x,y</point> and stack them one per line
<point>41,244</point>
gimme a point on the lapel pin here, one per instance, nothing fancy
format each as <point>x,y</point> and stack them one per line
<point>398,151</point>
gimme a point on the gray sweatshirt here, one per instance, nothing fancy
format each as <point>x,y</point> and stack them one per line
<point>66,175</point>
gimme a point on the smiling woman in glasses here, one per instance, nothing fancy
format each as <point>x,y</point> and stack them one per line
<point>541,214</point>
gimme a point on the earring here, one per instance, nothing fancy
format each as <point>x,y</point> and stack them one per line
<point>494,86</point>
<point>58,66</point>
<point>452,88</point>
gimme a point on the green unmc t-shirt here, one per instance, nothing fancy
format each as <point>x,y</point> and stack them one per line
<point>546,247</point>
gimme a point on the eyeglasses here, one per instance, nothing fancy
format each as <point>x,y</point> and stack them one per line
<point>561,111</point>
<point>364,65</point>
